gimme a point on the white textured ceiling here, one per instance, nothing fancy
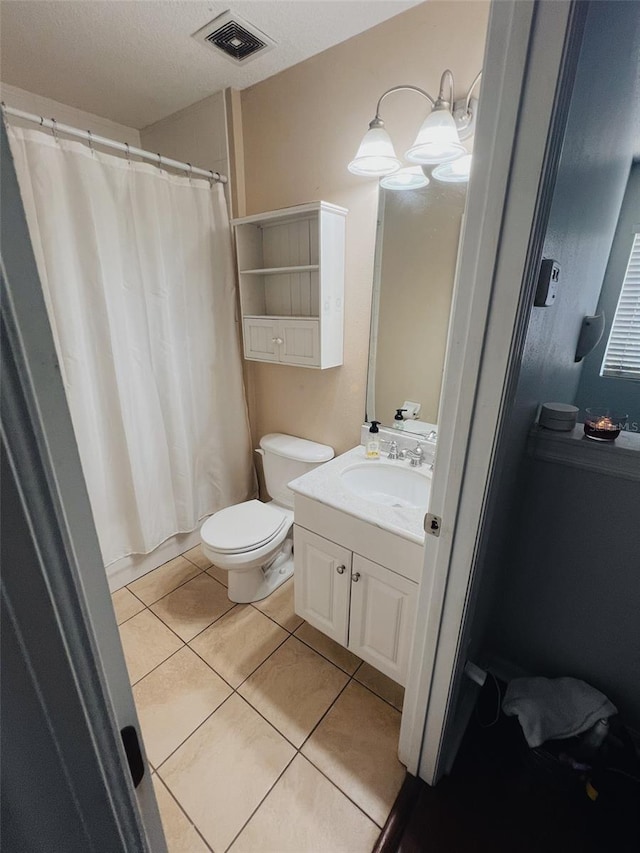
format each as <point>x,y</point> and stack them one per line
<point>135,62</point>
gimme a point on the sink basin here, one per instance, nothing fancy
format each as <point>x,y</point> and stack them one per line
<point>388,484</point>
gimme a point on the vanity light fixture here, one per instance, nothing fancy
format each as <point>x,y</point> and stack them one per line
<point>454,172</point>
<point>438,140</point>
<point>409,178</point>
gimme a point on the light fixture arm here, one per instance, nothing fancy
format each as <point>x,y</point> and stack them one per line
<point>447,76</point>
<point>471,88</point>
<point>406,88</point>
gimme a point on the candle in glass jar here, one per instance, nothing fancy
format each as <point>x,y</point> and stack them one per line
<point>602,425</point>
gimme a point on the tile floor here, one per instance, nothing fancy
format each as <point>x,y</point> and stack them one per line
<point>264,735</point>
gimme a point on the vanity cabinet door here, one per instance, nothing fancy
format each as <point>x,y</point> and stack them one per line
<point>300,342</point>
<point>322,582</point>
<point>383,606</point>
<point>261,339</point>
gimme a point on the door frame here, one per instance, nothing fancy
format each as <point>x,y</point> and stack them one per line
<point>524,107</point>
<point>67,582</point>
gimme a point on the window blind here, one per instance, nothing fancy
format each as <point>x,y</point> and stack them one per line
<point>622,358</point>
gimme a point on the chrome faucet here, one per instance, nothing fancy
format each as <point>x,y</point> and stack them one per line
<point>416,455</point>
<point>394,453</point>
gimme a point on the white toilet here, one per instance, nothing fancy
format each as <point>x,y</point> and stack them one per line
<point>253,540</point>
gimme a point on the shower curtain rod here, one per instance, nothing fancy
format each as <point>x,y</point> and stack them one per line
<point>94,139</point>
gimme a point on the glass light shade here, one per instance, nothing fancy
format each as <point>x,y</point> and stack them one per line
<point>454,172</point>
<point>409,178</point>
<point>437,140</point>
<point>375,156</point>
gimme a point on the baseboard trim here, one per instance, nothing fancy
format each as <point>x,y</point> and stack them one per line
<point>129,569</point>
<point>391,835</point>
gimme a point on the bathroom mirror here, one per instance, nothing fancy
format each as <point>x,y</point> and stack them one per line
<point>416,251</point>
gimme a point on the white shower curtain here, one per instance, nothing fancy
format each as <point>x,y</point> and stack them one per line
<point>136,268</point>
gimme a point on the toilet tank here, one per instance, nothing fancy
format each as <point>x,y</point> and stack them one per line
<point>286,457</point>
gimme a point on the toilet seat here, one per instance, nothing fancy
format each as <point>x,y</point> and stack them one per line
<point>244,527</point>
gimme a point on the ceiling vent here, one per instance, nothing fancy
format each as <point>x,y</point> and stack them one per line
<point>238,40</point>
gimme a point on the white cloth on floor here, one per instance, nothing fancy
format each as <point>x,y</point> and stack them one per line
<point>555,708</point>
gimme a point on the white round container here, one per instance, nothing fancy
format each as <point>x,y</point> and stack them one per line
<point>561,417</point>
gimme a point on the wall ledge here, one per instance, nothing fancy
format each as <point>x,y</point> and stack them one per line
<point>620,458</point>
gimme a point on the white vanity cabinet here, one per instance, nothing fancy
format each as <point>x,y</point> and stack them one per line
<point>357,602</point>
<point>291,279</point>
<point>322,583</point>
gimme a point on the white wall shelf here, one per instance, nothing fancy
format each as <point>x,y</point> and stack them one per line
<point>291,278</point>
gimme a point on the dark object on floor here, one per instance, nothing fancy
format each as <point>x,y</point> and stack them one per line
<point>503,797</point>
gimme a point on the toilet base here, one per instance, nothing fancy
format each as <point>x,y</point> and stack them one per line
<point>256,584</point>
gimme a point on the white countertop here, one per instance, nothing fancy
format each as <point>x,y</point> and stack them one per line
<point>325,485</point>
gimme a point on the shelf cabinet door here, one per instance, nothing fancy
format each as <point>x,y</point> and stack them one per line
<point>261,339</point>
<point>322,583</point>
<point>300,342</point>
<point>383,607</point>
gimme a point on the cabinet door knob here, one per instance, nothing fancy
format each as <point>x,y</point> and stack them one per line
<point>277,341</point>
<point>340,569</point>
<point>355,577</point>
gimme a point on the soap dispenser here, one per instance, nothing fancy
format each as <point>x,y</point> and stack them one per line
<point>399,419</point>
<point>373,445</point>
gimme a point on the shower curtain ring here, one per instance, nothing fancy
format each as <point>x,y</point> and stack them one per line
<point>128,153</point>
<point>212,178</point>
<point>41,120</point>
<point>190,171</point>
<point>93,153</point>
<point>159,161</point>
<point>54,129</point>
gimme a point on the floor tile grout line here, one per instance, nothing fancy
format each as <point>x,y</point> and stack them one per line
<point>184,554</point>
<point>164,622</point>
<point>129,618</point>
<point>310,735</point>
<point>164,594</point>
<point>212,566</point>
<point>280,646</point>
<point>217,619</point>
<point>284,628</point>
<point>201,572</point>
<point>135,683</point>
<point>371,690</point>
<point>199,726</point>
<point>273,725</point>
<point>349,680</point>
<point>322,654</point>
<point>131,591</point>
<point>338,788</point>
<point>180,806</point>
<point>211,667</point>
<point>244,825</point>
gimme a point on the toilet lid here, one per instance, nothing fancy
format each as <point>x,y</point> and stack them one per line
<point>243,527</point>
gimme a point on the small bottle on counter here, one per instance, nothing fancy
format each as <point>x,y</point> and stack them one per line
<point>372,450</point>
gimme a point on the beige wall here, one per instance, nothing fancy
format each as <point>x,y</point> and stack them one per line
<point>196,135</point>
<point>301,128</point>
<point>22,100</point>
